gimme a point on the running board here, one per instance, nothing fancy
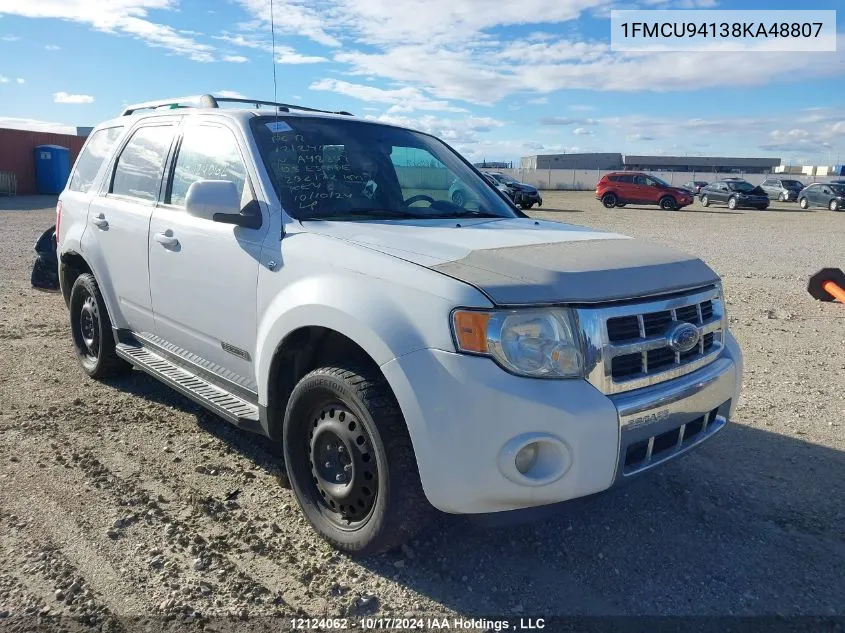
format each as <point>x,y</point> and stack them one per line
<point>214,398</point>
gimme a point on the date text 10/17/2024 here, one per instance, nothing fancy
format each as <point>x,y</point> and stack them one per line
<point>418,624</point>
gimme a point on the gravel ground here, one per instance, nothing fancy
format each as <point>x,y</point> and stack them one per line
<point>123,498</point>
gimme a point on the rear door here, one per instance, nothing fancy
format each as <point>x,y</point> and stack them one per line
<point>119,221</point>
<point>204,274</point>
<point>624,186</point>
<point>641,191</point>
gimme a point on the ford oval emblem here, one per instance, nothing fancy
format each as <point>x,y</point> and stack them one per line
<point>683,337</point>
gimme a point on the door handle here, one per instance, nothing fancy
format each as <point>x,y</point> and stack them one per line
<point>100,221</point>
<point>166,240</point>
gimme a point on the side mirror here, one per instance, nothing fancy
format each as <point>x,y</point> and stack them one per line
<point>219,201</point>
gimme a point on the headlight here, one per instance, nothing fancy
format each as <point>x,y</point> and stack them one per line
<point>536,342</point>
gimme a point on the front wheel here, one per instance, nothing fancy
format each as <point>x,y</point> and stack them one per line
<point>609,200</point>
<point>668,203</point>
<point>526,205</point>
<point>350,460</point>
<point>705,201</point>
<point>732,203</point>
<point>834,205</point>
<point>803,203</point>
<point>91,330</point>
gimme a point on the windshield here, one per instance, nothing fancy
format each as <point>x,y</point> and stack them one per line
<point>839,190</point>
<point>741,186</point>
<point>660,182</point>
<point>340,169</point>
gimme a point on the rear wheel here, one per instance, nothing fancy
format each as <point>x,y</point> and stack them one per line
<point>705,201</point>
<point>350,460</point>
<point>803,203</point>
<point>781,197</point>
<point>834,205</point>
<point>731,203</point>
<point>609,200</point>
<point>526,205</point>
<point>668,203</point>
<point>91,330</point>
<point>619,205</point>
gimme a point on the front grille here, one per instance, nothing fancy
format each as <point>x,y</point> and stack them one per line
<point>631,341</point>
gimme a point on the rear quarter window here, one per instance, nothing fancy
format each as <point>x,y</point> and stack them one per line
<point>95,152</point>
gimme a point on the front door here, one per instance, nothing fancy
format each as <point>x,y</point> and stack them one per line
<point>203,274</point>
<point>119,221</point>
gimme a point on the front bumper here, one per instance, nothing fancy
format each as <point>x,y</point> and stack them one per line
<point>467,419</point>
<point>528,197</point>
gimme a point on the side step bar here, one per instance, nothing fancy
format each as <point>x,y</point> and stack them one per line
<point>228,406</point>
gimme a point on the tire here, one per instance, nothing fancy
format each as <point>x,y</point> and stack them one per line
<point>731,203</point>
<point>609,200</point>
<point>91,330</point>
<point>762,207</point>
<point>349,417</point>
<point>668,203</point>
<point>781,197</point>
<point>803,203</point>
<point>526,205</point>
<point>705,201</point>
<point>458,198</point>
<point>834,205</point>
<point>620,205</point>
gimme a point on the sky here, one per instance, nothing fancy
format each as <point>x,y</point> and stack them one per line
<point>496,79</point>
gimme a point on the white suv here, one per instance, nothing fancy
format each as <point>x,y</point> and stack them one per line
<point>305,275</point>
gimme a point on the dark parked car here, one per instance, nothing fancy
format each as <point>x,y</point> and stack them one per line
<point>782,189</point>
<point>617,189</point>
<point>524,195</point>
<point>694,186</point>
<point>830,196</point>
<point>735,193</point>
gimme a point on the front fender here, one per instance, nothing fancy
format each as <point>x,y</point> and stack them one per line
<point>386,320</point>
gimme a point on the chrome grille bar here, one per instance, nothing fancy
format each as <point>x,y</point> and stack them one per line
<point>600,351</point>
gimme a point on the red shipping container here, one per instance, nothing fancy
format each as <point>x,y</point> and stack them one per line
<point>16,153</point>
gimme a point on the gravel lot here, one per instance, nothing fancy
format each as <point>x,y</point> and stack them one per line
<point>124,498</point>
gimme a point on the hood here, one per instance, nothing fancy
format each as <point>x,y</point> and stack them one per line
<point>524,261</point>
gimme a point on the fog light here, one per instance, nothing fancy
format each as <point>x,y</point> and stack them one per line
<point>526,458</point>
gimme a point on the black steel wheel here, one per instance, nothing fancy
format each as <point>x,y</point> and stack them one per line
<point>343,467</point>
<point>609,200</point>
<point>350,460</point>
<point>91,330</point>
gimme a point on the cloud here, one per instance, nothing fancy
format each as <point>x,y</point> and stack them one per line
<point>20,80</point>
<point>4,80</point>
<point>64,97</point>
<point>235,59</point>
<point>287,55</point>
<point>581,108</point>
<point>294,17</point>
<point>462,133</point>
<point>582,131</point>
<point>35,125</point>
<point>565,120</point>
<point>538,101</point>
<point>123,17</point>
<point>9,38</point>
<point>405,99</point>
<point>231,94</point>
<point>640,137</point>
<point>52,47</point>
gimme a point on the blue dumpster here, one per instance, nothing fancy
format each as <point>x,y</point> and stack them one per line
<point>52,168</point>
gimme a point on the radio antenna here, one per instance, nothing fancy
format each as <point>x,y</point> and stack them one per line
<point>273,47</point>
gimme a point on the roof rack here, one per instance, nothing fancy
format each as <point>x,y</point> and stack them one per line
<point>210,101</point>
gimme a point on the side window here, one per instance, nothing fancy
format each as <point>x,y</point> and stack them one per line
<point>96,151</point>
<point>207,152</point>
<point>769,183</point>
<point>627,179</point>
<point>640,180</point>
<point>139,168</point>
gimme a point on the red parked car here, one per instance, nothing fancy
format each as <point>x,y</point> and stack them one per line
<point>617,189</point>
